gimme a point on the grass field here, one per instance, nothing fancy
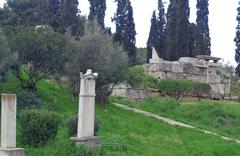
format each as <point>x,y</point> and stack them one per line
<point>222,117</point>
<point>123,133</point>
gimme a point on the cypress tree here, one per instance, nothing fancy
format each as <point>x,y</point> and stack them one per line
<point>203,39</point>
<point>193,40</point>
<point>70,17</point>
<point>177,30</point>
<point>97,10</point>
<point>153,39</point>
<point>52,13</point>
<point>171,31</point>
<point>125,29</point>
<point>156,35</point>
<point>183,30</point>
<point>237,41</point>
<point>161,29</point>
<point>69,12</point>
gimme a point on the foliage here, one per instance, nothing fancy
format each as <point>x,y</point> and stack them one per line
<point>175,88</point>
<point>38,126</point>
<point>141,56</point>
<point>125,29</point>
<point>136,77</point>
<point>27,100</point>
<point>237,41</point>
<point>177,30</point>
<point>203,39</point>
<point>97,10</point>
<point>73,123</point>
<point>200,89</point>
<point>61,15</point>
<point>194,34</point>
<point>71,18</point>
<point>156,35</point>
<point>42,52</point>
<point>7,57</point>
<point>96,51</point>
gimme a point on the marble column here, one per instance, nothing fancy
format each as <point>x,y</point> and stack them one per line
<point>86,112</point>
<point>8,126</point>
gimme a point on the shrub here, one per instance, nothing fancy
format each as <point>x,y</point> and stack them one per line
<point>137,77</point>
<point>38,126</point>
<point>200,89</point>
<point>27,100</point>
<point>174,88</point>
<point>73,123</point>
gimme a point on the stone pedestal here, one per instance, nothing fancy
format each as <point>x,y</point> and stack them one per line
<point>12,152</point>
<point>86,112</point>
<point>8,126</point>
<point>90,142</point>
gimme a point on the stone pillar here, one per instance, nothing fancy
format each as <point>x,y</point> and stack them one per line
<point>86,112</point>
<point>8,126</point>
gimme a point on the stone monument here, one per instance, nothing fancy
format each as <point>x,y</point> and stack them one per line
<point>86,112</point>
<point>155,58</point>
<point>8,127</point>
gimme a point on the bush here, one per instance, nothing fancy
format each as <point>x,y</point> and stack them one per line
<point>200,89</point>
<point>137,77</point>
<point>73,123</point>
<point>174,88</point>
<point>27,100</point>
<point>38,126</point>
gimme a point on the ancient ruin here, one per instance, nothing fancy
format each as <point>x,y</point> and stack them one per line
<point>86,112</point>
<point>201,68</point>
<point>8,126</point>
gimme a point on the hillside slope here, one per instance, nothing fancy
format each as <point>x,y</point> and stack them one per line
<point>123,133</point>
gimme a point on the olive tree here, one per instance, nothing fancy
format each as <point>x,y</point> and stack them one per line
<point>96,51</point>
<point>42,53</point>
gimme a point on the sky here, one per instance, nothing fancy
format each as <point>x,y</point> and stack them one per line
<point>222,22</point>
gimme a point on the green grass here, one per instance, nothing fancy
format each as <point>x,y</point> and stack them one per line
<point>142,135</point>
<point>222,117</point>
<point>123,133</point>
<point>57,98</point>
<point>126,133</point>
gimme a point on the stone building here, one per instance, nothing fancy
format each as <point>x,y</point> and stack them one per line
<point>202,68</point>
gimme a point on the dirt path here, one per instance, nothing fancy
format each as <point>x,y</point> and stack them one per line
<point>173,122</point>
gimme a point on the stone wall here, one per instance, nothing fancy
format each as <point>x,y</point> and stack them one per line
<point>193,69</point>
<point>200,69</point>
<point>136,94</point>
